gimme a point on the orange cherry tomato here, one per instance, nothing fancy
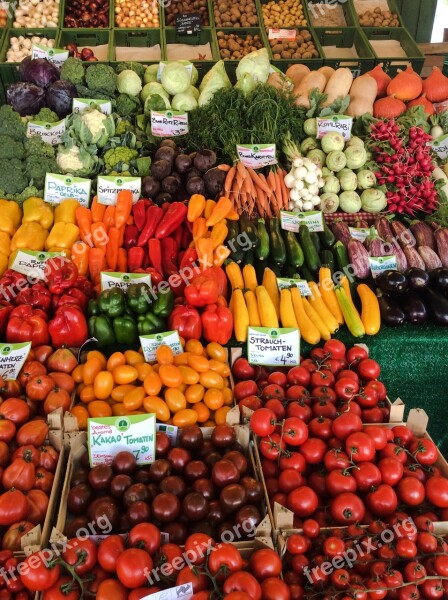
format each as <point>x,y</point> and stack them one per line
<point>181,359</point>
<point>91,369</point>
<point>217,352</point>
<point>170,375</point>
<point>88,394</point>
<point>154,404</point>
<point>115,360</point>
<point>152,384</point>
<point>185,417</point>
<point>195,347</point>
<point>194,393</point>
<point>99,408</point>
<point>118,410</point>
<point>103,385</point>
<point>182,387</point>
<point>81,415</point>
<point>198,363</point>
<point>175,400</point>
<point>134,399</point>
<point>120,391</point>
<point>124,374</point>
<point>164,355</point>
<point>202,411</point>
<point>210,379</point>
<point>228,396</point>
<point>77,374</point>
<point>133,358</point>
<point>219,367</point>
<point>155,367</point>
<point>99,355</point>
<point>143,369</point>
<point>209,423</point>
<point>189,375</point>
<point>221,415</point>
<point>213,398</point>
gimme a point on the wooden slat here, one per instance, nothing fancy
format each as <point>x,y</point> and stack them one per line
<point>440,48</point>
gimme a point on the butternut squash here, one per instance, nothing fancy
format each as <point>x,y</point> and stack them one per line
<point>278,81</point>
<point>296,73</point>
<point>310,82</point>
<point>327,71</point>
<point>362,96</point>
<point>338,86</point>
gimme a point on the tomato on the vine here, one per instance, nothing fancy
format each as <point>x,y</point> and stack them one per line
<point>263,422</point>
<point>36,575</point>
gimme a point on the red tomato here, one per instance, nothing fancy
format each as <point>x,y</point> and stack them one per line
<point>245,388</point>
<point>340,481</point>
<point>295,432</point>
<point>367,475</point>
<point>425,452</point>
<point>277,407</point>
<point>322,377</point>
<point>324,392</point>
<point>274,588</point>
<point>242,369</point>
<point>111,588</point>
<point>347,508</point>
<point>383,501</point>
<point>360,447</point>
<point>292,460</point>
<point>271,446</point>
<point>303,501</point>
<point>199,581</point>
<point>411,491</point>
<point>19,475</point>
<point>406,548</point>
<point>13,507</point>
<point>133,567</point>
<point>278,378</point>
<point>379,387</point>
<point>393,451</point>
<point>36,576</point>
<point>333,547</point>
<point>65,588</point>
<point>321,427</point>
<point>272,390</point>
<point>346,424</point>
<point>298,392</point>
<point>311,528</point>
<point>436,491</point>
<point>225,556</point>
<point>336,459</point>
<point>263,422</point>
<point>76,547</point>
<point>297,544</point>
<point>197,546</point>
<point>252,402</point>
<point>346,388</point>
<point>37,506</point>
<point>108,552</point>
<point>378,435</point>
<point>265,563</point>
<point>369,369</point>
<point>298,376</point>
<point>313,449</point>
<point>289,480</point>
<point>335,348</point>
<point>243,582</point>
<point>326,409</point>
<point>367,397</point>
<point>356,354</point>
<point>300,410</point>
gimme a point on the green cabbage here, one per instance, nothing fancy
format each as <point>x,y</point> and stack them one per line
<point>153,88</point>
<point>216,79</point>
<point>175,78</point>
<point>247,83</point>
<point>184,101</point>
<point>193,92</point>
<point>128,82</point>
<point>150,73</point>
<point>156,102</point>
<point>256,64</point>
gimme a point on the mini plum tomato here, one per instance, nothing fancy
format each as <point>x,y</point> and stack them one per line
<point>369,369</point>
<point>311,528</point>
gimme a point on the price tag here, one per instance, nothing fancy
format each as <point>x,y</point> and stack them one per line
<point>339,123</point>
<point>169,123</point>
<point>80,104</point>
<point>162,65</point>
<point>188,23</point>
<point>313,219</point>
<point>170,430</point>
<point>361,233</point>
<point>12,359</point>
<point>108,188</point>
<point>57,57</point>
<point>273,347</point>
<point>379,264</point>
<point>50,132</point>
<point>257,156</point>
<point>150,343</point>
<point>59,187</point>
<point>123,280</point>
<point>284,282</point>
<point>288,35</point>
<point>180,592</point>
<point>31,263</point>
<point>107,436</point>
<point>440,146</point>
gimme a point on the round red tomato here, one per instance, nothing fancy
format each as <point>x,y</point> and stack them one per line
<point>19,475</point>
<point>346,388</point>
<point>378,435</point>
<point>411,491</point>
<point>340,481</point>
<point>274,588</point>
<point>391,470</point>
<point>367,475</point>
<point>199,581</point>
<point>298,376</point>
<point>146,536</point>
<point>346,424</point>
<point>424,451</point>
<point>277,408</point>
<point>65,588</point>
<point>347,508</point>
<point>295,431</point>
<point>311,528</point>
<point>197,546</point>
<point>297,544</point>
<point>336,459</point>
<point>271,446</point>
<point>369,369</point>
<point>225,557</point>
<point>292,460</point>
<point>111,588</point>
<point>289,480</point>
<point>321,427</point>
<point>383,501</point>
<point>313,450</point>
<point>436,491</point>
<point>265,563</point>
<point>333,546</point>
<point>393,451</point>
<point>35,574</point>
<point>278,378</point>
<point>360,447</point>
<point>263,422</point>
<point>242,369</point>
<point>133,567</point>
<point>356,354</point>
<point>323,377</point>
<point>77,548</point>
<point>273,390</point>
<point>243,582</point>
<point>303,501</point>
<point>245,388</point>
<point>367,398</point>
<point>108,552</point>
<point>335,349</point>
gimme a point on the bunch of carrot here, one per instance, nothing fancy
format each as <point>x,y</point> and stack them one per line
<point>101,229</point>
<point>249,190</point>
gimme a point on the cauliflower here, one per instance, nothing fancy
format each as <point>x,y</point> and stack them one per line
<point>76,161</point>
<point>91,127</point>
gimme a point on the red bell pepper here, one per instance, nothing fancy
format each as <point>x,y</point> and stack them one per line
<point>72,296</point>
<point>202,292</point>
<point>169,255</point>
<point>187,321</point>
<point>219,276</point>
<point>154,215</point>
<point>174,216</point>
<point>217,324</point>
<point>135,258</point>
<point>69,327</point>
<point>139,213</point>
<point>85,285</point>
<point>27,324</point>
<point>155,255</point>
<point>131,234</point>
<point>37,296</point>
<point>60,274</point>
<point>11,283</point>
<point>5,311</point>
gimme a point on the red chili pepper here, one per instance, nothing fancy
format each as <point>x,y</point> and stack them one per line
<point>202,292</point>
<point>130,236</point>
<point>217,324</point>
<point>177,236</point>
<point>169,255</point>
<point>156,277</point>
<point>187,236</point>
<point>154,216</point>
<point>37,296</point>
<point>27,325</point>
<point>187,321</point>
<point>60,274</point>
<point>139,213</point>
<point>155,255</point>
<point>174,216</point>
<point>69,327</point>
<point>135,258</point>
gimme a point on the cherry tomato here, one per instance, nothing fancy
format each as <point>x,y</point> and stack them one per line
<point>369,369</point>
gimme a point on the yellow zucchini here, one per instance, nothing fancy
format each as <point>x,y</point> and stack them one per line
<point>315,318</point>
<point>240,316</point>
<point>270,283</point>
<point>252,307</point>
<point>320,307</point>
<point>266,309</point>
<point>287,315</point>
<point>308,330</point>
<point>326,288</point>
<point>370,313</point>
<point>250,277</point>
<point>235,276</point>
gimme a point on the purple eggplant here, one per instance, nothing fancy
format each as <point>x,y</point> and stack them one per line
<point>391,313</point>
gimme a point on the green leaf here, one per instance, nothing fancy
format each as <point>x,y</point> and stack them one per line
<point>317,98</point>
<point>338,107</point>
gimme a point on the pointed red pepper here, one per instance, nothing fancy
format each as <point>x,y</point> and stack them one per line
<point>155,255</point>
<point>154,216</point>
<point>139,213</point>
<point>169,255</point>
<point>131,235</point>
<point>174,216</point>
<point>135,258</point>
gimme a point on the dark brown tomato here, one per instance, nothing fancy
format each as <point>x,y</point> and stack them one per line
<point>233,497</point>
<point>100,477</point>
<point>139,512</point>
<point>119,484</point>
<point>195,506</point>
<point>223,436</point>
<point>196,469</point>
<point>79,498</point>
<point>191,437</point>
<point>159,469</point>
<point>174,485</point>
<point>124,462</point>
<point>205,487</point>
<point>239,460</point>
<point>166,508</point>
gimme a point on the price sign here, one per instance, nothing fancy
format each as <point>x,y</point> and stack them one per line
<point>107,436</point>
<point>59,187</point>
<point>108,188</point>
<point>31,263</point>
<point>361,233</point>
<point>57,57</point>
<point>339,123</point>
<point>123,280</point>
<point>150,343</point>
<point>188,23</point>
<point>256,156</point>
<point>273,347</point>
<point>80,104</point>
<point>50,132</point>
<point>301,284</point>
<point>12,359</point>
<point>379,264</point>
<point>313,219</point>
<point>440,146</point>
<point>287,35</point>
<point>180,592</point>
<point>169,123</point>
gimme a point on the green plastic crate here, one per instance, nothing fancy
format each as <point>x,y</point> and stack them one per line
<point>350,17</point>
<point>206,35</point>
<point>9,71</point>
<point>393,7</point>
<point>392,64</point>
<point>86,38</point>
<point>173,24</point>
<point>312,63</point>
<point>231,64</point>
<point>418,18</point>
<point>297,25</point>
<point>62,18</point>
<point>15,4</point>
<point>257,6</point>
<point>347,37</point>
<point>136,38</point>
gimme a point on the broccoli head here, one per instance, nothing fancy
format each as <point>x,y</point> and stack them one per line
<point>73,70</point>
<point>127,105</point>
<point>131,66</point>
<point>13,179</point>
<point>11,123</point>
<point>36,168</point>
<point>47,115</point>
<point>118,159</point>
<point>101,78</point>
<point>11,148</point>
<point>122,126</point>
<point>84,92</point>
<point>36,146</point>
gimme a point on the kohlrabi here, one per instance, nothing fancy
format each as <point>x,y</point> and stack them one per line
<point>332,142</point>
<point>336,161</point>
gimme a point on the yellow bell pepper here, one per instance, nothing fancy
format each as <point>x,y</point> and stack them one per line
<point>37,211</point>
<point>3,264</point>
<point>30,236</point>
<point>10,216</point>
<point>62,235</point>
<point>5,243</point>
<point>219,234</point>
<point>65,211</point>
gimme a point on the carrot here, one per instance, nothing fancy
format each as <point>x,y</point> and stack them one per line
<point>123,207</point>
<point>241,170</point>
<point>97,263</point>
<point>285,194</point>
<point>112,248</point>
<point>278,190</point>
<point>259,180</point>
<point>80,256</point>
<point>261,202</point>
<point>228,184</point>
<point>98,234</point>
<point>97,210</point>
<point>121,238</point>
<point>109,217</point>
<point>130,220</point>
<point>122,262</point>
<point>84,221</point>
<point>225,168</point>
<point>271,182</point>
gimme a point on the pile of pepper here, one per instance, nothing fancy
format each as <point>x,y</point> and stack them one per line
<point>121,316</point>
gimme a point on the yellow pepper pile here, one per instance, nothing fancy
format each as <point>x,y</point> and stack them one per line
<point>10,219</point>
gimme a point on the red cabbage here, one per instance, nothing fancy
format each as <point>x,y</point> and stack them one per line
<point>60,96</point>
<point>25,98</point>
<point>39,71</point>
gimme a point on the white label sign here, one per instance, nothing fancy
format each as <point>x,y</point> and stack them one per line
<point>80,104</point>
<point>313,219</point>
<point>57,57</point>
<point>122,280</point>
<point>180,592</point>
<point>379,264</point>
<point>440,146</point>
<point>289,35</point>
<point>59,187</point>
<point>50,132</point>
<point>168,123</point>
<point>257,156</point>
<point>108,188</point>
<point>32,263</point>
<point>170,430</point>
<point>301,284</point>
<point>339,123</point>
<point>361,233</point>
<point>107,436</point>
<point>162,65</point>
<point>12,359</point>
<point>150,343</point>
<point>273,347</point>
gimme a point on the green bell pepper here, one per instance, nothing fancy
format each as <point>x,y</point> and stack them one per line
<point>164,304</point>
<point>138,297</point>
<point>125,329</point>
<point>150,323</point>
<point>93,310</point>
<point>112,302</point>
<point>101,328</point>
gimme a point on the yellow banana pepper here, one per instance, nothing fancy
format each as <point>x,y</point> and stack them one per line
<point>219,234</point>
<point>3,264</point>
<point>5,243</point>
<point>10,216</point>
<point>37,211</point>
<point>30,236</point>
<point>62,235</point>
<point>65,211</point>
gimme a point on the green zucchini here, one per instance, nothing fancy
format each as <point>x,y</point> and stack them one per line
<point>312,260</point>
<point>327,237</point>
<point>248,228</point>
<point>275,267</point>
<point>294,251</point>
<point>327,258</point>
<point>316,241</point>
<point>289,270</point>
<point>341,256</point>
<point>276,243</point>
<point>262,249</point>
<point>306,273</point>
<point>249,257</point>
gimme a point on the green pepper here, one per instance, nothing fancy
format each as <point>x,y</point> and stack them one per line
<point>125,329</point>
<point>111,302</point>
<point>164,304</point>
<point>150,323</point>
<point>138,297</point>
<point>93,309</point>
<point>101,328</point>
